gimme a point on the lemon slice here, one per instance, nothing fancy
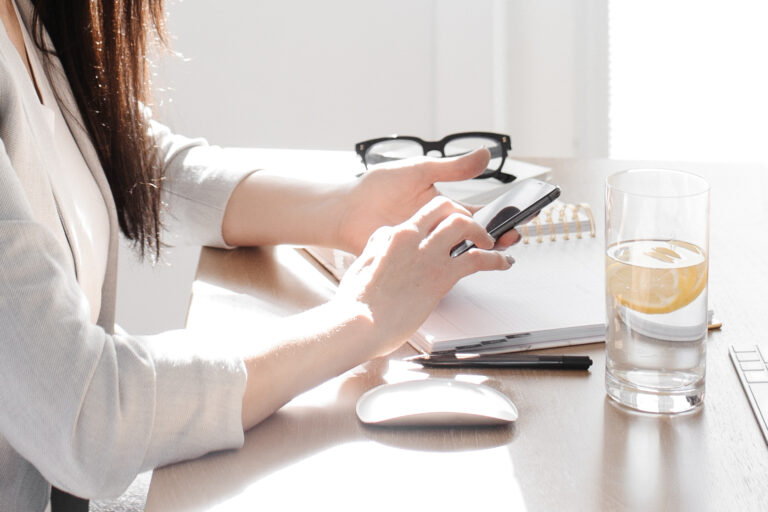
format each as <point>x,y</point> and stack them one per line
<point>669,278</point>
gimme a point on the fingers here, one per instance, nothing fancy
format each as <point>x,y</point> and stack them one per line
<point>435,212</point>
<point>443,219</point>
<point>456,228</point>
<point>508,239</point>
<point>476,260</point>
<point>458,168</point>
<point>438,227</point>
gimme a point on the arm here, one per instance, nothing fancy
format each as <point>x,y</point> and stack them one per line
<point>384,297</point>
<point>263,209</point>
<point>107,406</point>
<point>269,210</point>
<point>90,409</point>
<point>215,198</point>
<point>378,307</point>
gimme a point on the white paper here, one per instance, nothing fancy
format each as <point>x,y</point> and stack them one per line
<point>554,292</point>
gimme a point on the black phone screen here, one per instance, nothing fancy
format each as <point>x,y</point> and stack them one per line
<point>521,202</point>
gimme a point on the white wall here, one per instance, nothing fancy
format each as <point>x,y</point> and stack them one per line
<point>307,74</point>
<point>557,65</point>
<point>299,73</point>
<point>696,93</point>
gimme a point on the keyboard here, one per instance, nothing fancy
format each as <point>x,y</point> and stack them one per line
<point>751,363</point>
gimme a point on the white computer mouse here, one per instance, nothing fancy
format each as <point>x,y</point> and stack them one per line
<point>435,402</point>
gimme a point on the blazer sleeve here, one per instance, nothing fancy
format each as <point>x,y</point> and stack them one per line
<point>199,180</point>
<point>91,410</point>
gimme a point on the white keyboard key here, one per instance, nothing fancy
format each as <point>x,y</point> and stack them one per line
<point>756,376</point>
<point>752,366</point>
<point>749,356</point>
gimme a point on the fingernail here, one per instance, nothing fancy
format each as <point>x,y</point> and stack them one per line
<point>510,259</point>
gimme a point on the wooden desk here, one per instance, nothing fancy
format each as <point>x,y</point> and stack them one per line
<point>571,449</point>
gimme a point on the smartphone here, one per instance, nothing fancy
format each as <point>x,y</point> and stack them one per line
<point>521,202</point>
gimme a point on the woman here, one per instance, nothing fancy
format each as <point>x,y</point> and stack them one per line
<point>85,409</point>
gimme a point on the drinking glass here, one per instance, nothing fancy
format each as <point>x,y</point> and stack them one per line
<point>656,269</point>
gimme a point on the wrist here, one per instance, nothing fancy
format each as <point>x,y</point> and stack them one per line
<point>340,221</point>
<point>353,321</point>
<point>307,349</point>
<point>266,209</point>
<point>373,336</point>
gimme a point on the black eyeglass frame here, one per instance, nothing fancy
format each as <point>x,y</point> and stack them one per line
<point>505,143</point>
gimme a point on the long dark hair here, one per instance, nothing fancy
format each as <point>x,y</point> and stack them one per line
<point>102,46</point>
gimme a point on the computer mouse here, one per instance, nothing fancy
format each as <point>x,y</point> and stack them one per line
<point>435,402</point>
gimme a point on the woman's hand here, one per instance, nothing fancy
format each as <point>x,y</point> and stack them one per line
<point>386,294</point>
<point>405,270</point>
<point>389,194</point>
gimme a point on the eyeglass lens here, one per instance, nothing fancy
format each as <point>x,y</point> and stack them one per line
<point>464,145</point>
<point>397,149</point>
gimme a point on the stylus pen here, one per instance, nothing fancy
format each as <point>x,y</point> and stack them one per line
<point>505,361</point>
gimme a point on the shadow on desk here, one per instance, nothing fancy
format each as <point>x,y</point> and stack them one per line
<point>654,461</point>
<point>331,434</point>
<point>571,449</point>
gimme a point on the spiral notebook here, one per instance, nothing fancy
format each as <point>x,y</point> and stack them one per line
<point>552,296</point>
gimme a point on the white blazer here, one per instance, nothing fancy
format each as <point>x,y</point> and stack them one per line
<point>81,407</point>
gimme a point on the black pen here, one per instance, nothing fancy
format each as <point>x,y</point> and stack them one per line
<point>543,362</point>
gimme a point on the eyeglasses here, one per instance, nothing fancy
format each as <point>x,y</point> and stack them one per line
<point>397,147</point>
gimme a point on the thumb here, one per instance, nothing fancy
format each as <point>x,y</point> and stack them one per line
<point>459,168</point>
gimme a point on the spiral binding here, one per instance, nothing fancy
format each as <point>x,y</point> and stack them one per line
<point>564,212</point>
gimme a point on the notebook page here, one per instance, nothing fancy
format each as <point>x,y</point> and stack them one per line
<point>553,286</point>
